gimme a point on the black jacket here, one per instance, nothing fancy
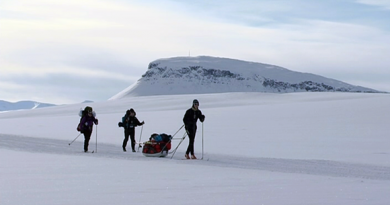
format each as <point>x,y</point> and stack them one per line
<point>192,116</point>
<point>130,122</point>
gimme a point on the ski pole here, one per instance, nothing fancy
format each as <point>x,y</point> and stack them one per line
<point>139,141</point>
<point>202,142</point>
<point>75,139</point>
<point>96,139</point>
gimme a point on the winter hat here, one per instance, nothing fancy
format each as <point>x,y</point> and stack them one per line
<point>132,111</point>
<point>195,102</point>
<point>88,109</point>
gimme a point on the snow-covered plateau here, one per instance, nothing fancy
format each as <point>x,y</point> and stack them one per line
<point>299,148</point>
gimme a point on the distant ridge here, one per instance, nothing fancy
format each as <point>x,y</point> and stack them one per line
<point>22,105</point>
<point>205,74</point>
<point>87,101</point>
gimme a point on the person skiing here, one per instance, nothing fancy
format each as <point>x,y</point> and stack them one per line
<point>86,125</point>
<point>129,123</point>
<point>190,118</point>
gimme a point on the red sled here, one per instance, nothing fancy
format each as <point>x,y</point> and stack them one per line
<point>157,146</point>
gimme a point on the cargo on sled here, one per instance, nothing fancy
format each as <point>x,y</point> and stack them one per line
<point>157,146</point>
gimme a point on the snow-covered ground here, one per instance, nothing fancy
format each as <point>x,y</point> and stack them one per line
<point>259,148</point>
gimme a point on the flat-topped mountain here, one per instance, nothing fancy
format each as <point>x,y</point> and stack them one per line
<point>204,74</point>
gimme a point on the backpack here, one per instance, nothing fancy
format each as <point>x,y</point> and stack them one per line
<point>79,126</point>
<point>82,113</point>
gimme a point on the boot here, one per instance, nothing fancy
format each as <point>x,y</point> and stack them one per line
<point>187,156</point>
<point>193,157</point>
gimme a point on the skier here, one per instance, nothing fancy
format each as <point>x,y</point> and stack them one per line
<point>86,125</point>
<point>129,123</point>
<point>190,118</point>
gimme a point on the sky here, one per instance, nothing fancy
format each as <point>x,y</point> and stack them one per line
<point>69,51</point>
<point>280,149</point>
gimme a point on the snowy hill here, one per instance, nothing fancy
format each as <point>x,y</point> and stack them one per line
<point>196,75</point>
<point>22,105</point>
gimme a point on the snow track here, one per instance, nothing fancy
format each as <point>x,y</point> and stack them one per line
<point>309,167</point>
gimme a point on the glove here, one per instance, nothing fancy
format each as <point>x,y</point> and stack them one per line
<point>142,122</point>
<point>202,118</point>
<point>96,121</point>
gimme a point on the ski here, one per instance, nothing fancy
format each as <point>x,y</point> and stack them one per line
<point>196,159</point>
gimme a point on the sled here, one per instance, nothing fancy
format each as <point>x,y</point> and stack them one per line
<point>157,146</point>
<point>160,154</point>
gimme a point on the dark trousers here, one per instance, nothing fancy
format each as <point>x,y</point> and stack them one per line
<point>87,137</point>
<point>131,133</point>
<point>191,131</point>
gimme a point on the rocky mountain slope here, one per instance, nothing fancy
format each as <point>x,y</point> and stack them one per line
<point>204,74</point>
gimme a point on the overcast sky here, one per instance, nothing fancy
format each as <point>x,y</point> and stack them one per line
<point>68,51</point>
